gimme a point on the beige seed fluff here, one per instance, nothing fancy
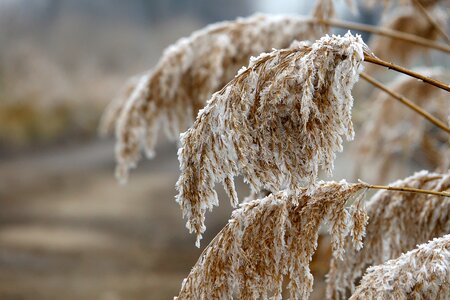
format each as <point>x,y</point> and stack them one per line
<point>187,74</point>
<point>423,273</point>
<point>275,123</point>
<point>398,221</point>
<point>269,239</point>
<point>406,19</point>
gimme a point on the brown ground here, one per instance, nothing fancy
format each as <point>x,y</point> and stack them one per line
<point>69,231</point>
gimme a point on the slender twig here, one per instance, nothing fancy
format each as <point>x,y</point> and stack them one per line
<point>406,102</point>
<point>375,60</point>
<point>404,189</point>
<point>430,19</point>
<point>407,37</point>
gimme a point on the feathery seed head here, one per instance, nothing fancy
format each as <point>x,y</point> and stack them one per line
<point>186,76</point>
<point>398,222</point>
<point>423,273</point>
<point>269,239</point>
<point>276,123</point>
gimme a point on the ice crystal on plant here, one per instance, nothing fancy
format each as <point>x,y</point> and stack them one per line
<point>186,76</point>
<point>275,123</point>
<point>398,221</point>
<point>423,273</point>
<point>268,239</point>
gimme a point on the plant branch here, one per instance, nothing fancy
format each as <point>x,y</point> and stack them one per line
<point>430,19</point>
<point>406,102</point>
<point>404,189</point>
<point>375,60</point>
<point>407,37</point>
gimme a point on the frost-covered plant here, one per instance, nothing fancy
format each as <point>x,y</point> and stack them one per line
<point>275,123</point>
<point>423,273</point>
<point>397,223</point>
<point>187,74</point>
<point>272,238</point>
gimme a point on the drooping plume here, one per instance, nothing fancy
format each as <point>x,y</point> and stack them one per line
<point>275,123</point>
<point>398,221</point>
<point>187,74</point>
<point>423,273</point>
<point>269,239</point>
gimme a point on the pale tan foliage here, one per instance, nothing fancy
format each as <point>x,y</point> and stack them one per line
<point>423,273</point>
<point>405,19</point>
<point>186,76</point>
<point>272,238</point>
<point>397,222</point>
<point>114,108</point>
<point>275,123</point>
<point>323,10</point>
<point>388,133</point>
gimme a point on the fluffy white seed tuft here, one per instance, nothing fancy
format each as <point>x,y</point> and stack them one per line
<point>269,239</point>
<point>275,123</point>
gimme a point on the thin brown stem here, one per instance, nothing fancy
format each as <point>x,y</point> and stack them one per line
<point>405,189</point>
<point>375,60</point>
<point>407,37</point>
<point>430,19</point>
<point>406,102</point>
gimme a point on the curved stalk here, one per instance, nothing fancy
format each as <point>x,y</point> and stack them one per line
<point>406,102</point>
<point>404,189</point>
<point>375,60</point>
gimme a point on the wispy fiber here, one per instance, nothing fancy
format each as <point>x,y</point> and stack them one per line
<point>273,238</point>
<point>114,108</point>
<point>398,221</point>
<point>423,273</point>
<point>187,74</point>
<point>276,123</point>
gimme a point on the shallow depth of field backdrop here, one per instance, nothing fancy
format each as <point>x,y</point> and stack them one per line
<point>67,229</point>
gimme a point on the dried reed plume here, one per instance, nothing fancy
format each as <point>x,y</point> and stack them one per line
<point>397,223</point>
<point>114,108</point>
<point>405,19</point>
<point>275,123</point>
<point>323,10</point>
<point>269,239</point>
<point>388,134</point>
<point>187,75</point>
<point>423,273</point>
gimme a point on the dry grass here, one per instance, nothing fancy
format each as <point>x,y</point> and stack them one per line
<point>422,273</point>
<point>269,239</point>
<point>276,123</point>
<point>186,76</point>
<point>408,20</point>
<point>397,223</point>
<point>269,123</point>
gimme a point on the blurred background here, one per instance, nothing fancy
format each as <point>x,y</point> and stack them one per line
<point>67,229</point>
